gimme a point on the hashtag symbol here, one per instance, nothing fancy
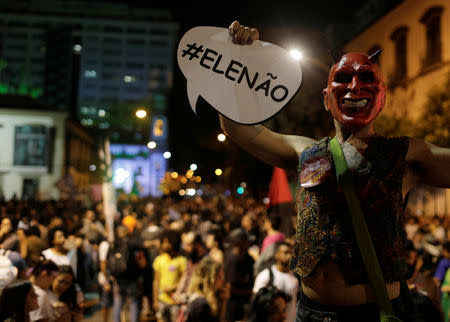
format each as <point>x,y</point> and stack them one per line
<point>192,51</point>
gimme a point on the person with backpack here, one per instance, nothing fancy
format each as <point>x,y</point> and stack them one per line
<point>280,276</point>
<point>126,262</point>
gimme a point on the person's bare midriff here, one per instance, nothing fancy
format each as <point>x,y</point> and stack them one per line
<point>327,286</point>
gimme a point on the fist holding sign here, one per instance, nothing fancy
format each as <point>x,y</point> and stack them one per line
<point>247,84</point>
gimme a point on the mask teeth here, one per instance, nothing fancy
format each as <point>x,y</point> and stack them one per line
<point>359,103</point>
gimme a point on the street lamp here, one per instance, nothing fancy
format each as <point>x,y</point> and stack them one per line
<point>151,145</point>
<point>218,172</point>
<point>296,54</point>
<point>221,137</point>
<point>141,113</point>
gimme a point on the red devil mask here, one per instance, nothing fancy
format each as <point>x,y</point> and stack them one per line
<point>355,94</point>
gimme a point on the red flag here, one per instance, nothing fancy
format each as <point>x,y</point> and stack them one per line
<point>279,191</point>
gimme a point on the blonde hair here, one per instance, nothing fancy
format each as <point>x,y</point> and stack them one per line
<point>203,279</point>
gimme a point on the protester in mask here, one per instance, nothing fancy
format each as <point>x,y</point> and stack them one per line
<point>326,255</point>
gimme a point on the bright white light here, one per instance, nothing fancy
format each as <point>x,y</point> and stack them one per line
<point>77,48</point>
<point>121,175</point>
<point>296,54</point>
<point>221,137</point>
<point>129,79</point>
<point>90,73</point>
<point>190,192</point>
<point>167,155</point>
<point>193,167</point>
<point>151,145</point>
<point>101,113</point>
<point>92,167</point>
<point>141,113</point>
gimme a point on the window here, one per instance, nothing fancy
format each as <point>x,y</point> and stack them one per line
<point>136,41</point>
<point>112,52</point>
<point>113,29</point>
<point>159,32</point>
<point>399,37</point>
<point>136,30</point>
<point>159,43</point>
<point>432,21</point>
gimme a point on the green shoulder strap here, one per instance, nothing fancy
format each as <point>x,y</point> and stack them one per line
<point>361,231</point>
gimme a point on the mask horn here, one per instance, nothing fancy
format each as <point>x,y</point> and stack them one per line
<point>374,57</point>
<point>336,55</point>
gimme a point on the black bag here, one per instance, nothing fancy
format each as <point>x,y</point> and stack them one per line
<point>117,259</point>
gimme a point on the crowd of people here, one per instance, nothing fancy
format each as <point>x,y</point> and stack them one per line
<point>213,258</point>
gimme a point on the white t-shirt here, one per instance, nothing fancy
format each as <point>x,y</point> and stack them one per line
<point>103,251</point>
<point>45,310</point>
<point>68,259</point>
<point>286,282</point>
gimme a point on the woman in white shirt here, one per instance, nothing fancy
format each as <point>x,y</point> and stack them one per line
<point>57,252</point>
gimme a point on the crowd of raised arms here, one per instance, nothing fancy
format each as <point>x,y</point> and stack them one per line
<point>210,258</point>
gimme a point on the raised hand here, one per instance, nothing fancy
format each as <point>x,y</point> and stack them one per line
<point>243,35</point>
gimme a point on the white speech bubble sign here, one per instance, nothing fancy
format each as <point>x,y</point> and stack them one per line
<point>247,84</point>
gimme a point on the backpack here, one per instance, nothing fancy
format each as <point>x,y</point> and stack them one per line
<point>117,259</point>
<point>265,260</point>
<point>8,272</point>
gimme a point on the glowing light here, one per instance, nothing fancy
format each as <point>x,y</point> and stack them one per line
<point>129,79</point>
<point>227,192</point>
<point>92,167</point>
<point>198,179</point>
<point>167,155</point>
<point>183,180</point>
<point>243,185</point>
<point>189,174</point>
<point>121,175</point>
<point>221,137</point>
<point>266,200</point>
<point>141,113</point>
<point>193,167</point>
<point>151,145</point>
<point>190,192</point>
<point>240,190</point>
<point>296,54</point>
<point>182,192</point>
<point>174,175</point>
<point>90,73</point>
<point>101,113</point>
<point>77,48</point>
<point>218,172</point>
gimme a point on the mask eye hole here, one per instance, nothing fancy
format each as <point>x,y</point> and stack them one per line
<point>366,77</point>
<point>343,77</point>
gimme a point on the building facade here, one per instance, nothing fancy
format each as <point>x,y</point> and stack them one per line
<point>414,37</point>
<point>98,61</point>
<point>31,162</point>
